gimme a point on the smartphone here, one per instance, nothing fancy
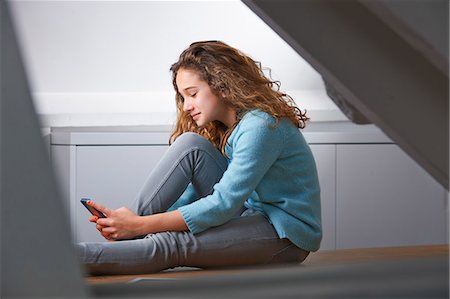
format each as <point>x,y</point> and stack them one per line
<point>93,210</point>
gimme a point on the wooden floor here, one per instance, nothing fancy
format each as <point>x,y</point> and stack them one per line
<point>321,258</point>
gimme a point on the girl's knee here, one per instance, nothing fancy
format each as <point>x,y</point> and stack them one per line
<point>191,139</point>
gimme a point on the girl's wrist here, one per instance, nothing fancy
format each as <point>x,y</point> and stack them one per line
<point>168,221</point>
<point>146,225</point>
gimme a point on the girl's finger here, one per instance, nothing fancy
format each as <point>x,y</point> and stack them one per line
<point>104,221</point>
<point>99,207</point>
<point>99,227</point>
<point>106,236</point>
<point>108,230</point>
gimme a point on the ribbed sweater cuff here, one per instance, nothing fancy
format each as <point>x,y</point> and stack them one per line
<point>188,219</point>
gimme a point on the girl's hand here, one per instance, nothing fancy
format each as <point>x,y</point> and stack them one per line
<point>119,224</point>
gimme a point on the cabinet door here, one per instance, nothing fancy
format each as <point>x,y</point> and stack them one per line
<point>324,154</point>
<point>111,175</point>
<point>385,199</point>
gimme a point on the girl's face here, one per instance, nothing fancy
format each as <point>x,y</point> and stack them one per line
<point>200,102</point>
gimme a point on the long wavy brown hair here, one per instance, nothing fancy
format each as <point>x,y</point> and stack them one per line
<point>239,81</point>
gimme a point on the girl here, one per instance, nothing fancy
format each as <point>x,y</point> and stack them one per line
<point>237,186</point>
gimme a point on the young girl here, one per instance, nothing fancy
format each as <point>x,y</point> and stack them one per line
<point>237,186</point>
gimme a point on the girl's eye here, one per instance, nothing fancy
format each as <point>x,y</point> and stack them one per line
<point>193,95</point>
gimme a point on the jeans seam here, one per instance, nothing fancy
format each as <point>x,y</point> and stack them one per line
<point>164,180</point>
<point>276,254</point>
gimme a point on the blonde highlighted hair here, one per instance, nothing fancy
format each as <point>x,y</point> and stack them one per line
<point>236,79</point>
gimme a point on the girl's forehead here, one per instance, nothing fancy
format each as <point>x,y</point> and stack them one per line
<point>187,77</point>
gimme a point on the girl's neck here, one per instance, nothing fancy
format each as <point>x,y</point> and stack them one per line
<point>229,117</point>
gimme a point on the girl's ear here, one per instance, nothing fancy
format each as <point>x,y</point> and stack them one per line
<point>224,93</point>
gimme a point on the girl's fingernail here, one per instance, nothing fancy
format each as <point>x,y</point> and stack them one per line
<point>88,202</point>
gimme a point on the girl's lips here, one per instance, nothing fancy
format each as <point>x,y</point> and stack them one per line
<point>196,115</point>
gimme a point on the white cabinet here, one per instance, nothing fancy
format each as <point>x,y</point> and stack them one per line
<point>383,198</point>
<point>325,157</point>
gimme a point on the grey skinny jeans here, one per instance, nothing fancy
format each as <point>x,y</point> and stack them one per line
<point>246,239</point>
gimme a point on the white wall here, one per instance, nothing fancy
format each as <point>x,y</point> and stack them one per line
<point>107,62</point>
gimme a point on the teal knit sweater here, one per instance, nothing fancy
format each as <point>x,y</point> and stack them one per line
<point>272,170</point>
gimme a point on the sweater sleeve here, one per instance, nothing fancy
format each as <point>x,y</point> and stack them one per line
<point>255,147</point>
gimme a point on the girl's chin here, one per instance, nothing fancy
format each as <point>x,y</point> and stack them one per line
<point>201,125</point>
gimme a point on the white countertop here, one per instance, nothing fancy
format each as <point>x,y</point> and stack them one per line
<point>315,133</point>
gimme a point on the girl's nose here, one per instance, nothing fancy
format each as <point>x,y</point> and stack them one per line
<point>187,105</point>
